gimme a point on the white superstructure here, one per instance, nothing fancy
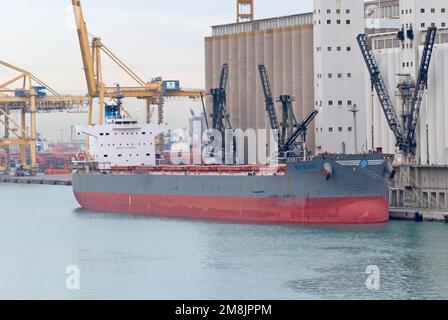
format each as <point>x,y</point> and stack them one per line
<point>122,142</point>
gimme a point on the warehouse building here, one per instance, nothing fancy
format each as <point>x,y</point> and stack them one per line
<point>315,58</point>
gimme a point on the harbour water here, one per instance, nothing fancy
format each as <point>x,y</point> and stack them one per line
<point>43,231</point>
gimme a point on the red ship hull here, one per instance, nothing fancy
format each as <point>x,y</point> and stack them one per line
<point>346,210</point>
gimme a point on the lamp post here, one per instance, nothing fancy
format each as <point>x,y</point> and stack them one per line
<point>355,110</point>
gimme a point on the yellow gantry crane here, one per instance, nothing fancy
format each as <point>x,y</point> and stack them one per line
<point>244,10</point>
<point>154,92</point>
<point>29,99</point>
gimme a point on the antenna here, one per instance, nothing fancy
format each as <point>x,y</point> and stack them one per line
<point>244,10</point>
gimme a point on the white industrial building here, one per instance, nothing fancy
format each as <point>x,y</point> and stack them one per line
<point>339,75</point>
<point>341,79</point>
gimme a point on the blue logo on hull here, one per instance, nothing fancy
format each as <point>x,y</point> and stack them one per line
<point>364,164</point>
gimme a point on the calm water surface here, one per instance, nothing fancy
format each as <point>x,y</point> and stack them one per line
<point>42,231</point>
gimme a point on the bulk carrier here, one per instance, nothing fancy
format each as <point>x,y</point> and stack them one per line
<point>330,189</point>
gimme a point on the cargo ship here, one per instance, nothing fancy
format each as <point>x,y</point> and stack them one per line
<point>323,189</point>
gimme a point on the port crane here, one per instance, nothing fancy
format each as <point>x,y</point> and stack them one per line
<point>154,92</point>
<point>291,129</point>
<point>244,10</point>
<point>404,135</point>
<point>30,96</point>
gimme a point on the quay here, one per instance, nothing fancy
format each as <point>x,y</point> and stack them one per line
<point>419,215</point>
<point>55,180</point>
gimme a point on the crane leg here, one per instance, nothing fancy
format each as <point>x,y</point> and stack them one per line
<point>148,111</point>
<point>23,146</point>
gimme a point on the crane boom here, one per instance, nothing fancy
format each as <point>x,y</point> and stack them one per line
<point>219,101</point>
<point>269,100</point>
<point>422,84</point>
<point>381,90</point>
<point>301,129</point>
<point>85,48</point>
<point>224,76</point>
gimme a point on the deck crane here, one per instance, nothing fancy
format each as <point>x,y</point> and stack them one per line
<point>291,129</point>
<point>405,138</point>
<point>289,121</point>
<point>154,92</point>
<point>220,114</point>
<point>301,130</point>
<point>269,101</point>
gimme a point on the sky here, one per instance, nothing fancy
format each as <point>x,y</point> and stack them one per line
<point>155,38</point>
